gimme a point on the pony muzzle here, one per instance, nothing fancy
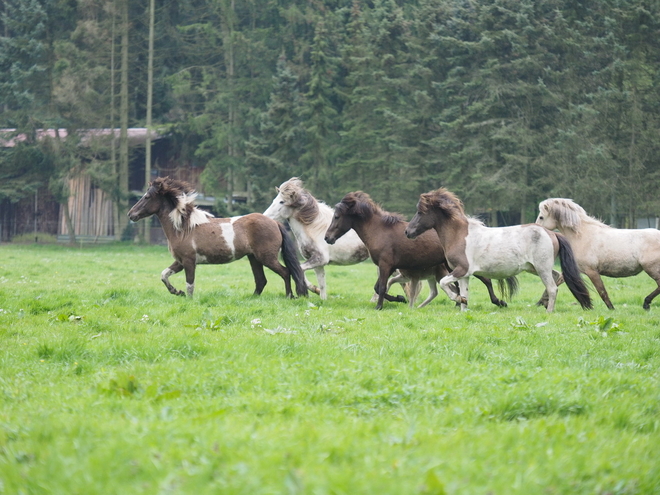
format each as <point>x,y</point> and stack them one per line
<point>410,234</point>
<point>134,217</point>
<point>330,240</point>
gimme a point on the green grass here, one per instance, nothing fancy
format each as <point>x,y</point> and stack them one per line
<point>110,385</point>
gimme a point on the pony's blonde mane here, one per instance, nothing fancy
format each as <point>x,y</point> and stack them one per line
<point>295,196</point>
<point>568,214</point>
<point>185,216</point>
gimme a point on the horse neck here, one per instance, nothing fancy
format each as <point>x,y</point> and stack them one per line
<point>452,230</point>
<point>166,222</point>
<point>314,230</point>
<point>370,230</point>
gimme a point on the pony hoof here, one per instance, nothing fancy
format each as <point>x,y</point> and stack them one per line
<point>502,304</point>
<point>315,290</point>
<point>400,299</point>
<point>647,307</point>
<point>179,293</point>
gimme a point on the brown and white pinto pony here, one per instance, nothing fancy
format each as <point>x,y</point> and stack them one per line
<point>472,248</point>
<point>195,237</point>
<point>601,249</point>
<point>384,235</point>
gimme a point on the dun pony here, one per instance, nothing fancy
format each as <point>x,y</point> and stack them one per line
<point>601,249</point>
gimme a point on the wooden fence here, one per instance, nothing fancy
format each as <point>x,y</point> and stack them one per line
<point>90,209</point>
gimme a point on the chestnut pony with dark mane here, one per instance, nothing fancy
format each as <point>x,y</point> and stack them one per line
<point>383,234</point>
<point>196,237</point>
<point>497,252</point>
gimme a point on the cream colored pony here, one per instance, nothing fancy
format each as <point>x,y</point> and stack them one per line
<point>603,250</point>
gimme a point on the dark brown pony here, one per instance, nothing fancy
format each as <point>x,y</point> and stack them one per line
<point>384,235</point>
<point>196,237</point>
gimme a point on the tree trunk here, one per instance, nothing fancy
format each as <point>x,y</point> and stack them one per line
<point>150,89</point>
<point>113,139</point>
<point>123,122</point>
<point>228,41</point>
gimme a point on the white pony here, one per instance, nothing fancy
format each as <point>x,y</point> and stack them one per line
<point>309,219</point>
<point>603,250</point>
<point>496,252</point>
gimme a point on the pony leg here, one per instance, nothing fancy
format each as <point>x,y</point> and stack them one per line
<point>548,279</point>
<point>433,292</point>
<point>175,267</point>
<point>381,288</point>
<point>320,279</point>
<point>260,277</point>
<point>594,276</point>
<point>493,298</point>
<point>445,284</point>
<point>559,279</point>
<point>317,265</point>
<point>189,268</point>
<point>374,298</point>
<point>647,300</point>
<point>396,279</point>
<point>463,288</point>
<point>415,287</point>
<point>650,297</point>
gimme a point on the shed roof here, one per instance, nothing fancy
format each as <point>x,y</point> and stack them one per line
<point>136,135</point>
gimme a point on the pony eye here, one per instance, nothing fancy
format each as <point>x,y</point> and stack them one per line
<point>540,217</point>
<point>281,202</point>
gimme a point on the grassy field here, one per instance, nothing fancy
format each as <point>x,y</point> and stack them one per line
<point>110,385</point>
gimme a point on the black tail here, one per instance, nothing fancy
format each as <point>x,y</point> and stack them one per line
<point>508,287</point>
<point>290,258</point>
<point>571,273</point>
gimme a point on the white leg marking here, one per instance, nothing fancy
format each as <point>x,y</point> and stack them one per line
<point>444,285</point>
<point>463,288</point>
<point>165,275</point>
<point>190,288</point>
<point>320,278</point>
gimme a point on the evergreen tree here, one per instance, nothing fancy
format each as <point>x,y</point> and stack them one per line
<point>319,114</point>
<point>274,150</point>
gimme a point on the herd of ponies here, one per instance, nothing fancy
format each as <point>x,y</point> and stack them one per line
<point>440,245</point>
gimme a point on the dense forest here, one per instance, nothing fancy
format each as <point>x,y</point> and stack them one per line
<point>505,102</point>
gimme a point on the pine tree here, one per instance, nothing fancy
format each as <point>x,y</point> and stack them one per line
<point>274,150</point>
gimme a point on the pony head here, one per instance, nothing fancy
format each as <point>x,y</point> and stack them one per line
<point>560,213</point>
<point>356,207</point>
<point>174,196</point>
<point>293,201</point>
<point>361,205</point>
<point>433,208</point>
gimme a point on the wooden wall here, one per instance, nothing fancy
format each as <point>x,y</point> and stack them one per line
<point>90,208</point>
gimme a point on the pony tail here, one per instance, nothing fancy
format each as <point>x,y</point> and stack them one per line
<point>508,288</point>
<point>571,273</point>
<point>290,258</point>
